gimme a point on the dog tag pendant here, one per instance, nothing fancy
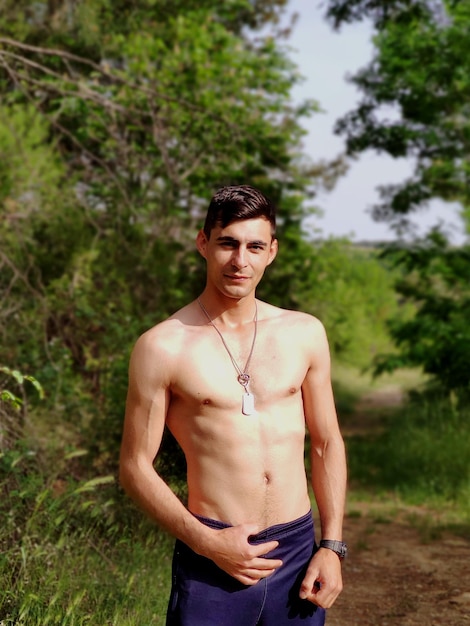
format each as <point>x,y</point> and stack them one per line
<point>248,403</point>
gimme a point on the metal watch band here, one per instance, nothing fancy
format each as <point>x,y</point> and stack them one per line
<point>339,547</point>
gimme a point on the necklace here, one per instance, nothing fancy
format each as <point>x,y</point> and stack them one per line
<point>248,400</point>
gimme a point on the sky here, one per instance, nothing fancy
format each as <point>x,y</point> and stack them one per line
<point>325,58</point>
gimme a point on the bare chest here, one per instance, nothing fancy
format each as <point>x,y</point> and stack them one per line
<point>211,373</point>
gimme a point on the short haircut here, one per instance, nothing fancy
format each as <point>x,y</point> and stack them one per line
<point>238,202</point>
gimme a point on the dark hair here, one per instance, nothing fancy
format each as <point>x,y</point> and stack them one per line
<point>238,202</point>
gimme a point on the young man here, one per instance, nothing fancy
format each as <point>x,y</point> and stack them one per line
<point>237,381</point>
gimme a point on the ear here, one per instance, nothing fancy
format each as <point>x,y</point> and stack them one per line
<point>273,251</point>
<point>201,243</point>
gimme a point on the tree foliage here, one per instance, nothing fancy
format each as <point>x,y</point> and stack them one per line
<point>351,289</point>
<point>117,123</point>
<point>437,337</point>
<point>420,70</point>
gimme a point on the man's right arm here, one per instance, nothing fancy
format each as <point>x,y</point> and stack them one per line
<point>147,403</point>
<point>148,399</point>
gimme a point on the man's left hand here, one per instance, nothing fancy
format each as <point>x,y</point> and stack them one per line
<point>322,583</point>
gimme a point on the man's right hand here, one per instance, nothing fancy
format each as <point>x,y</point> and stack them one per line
<point>231,550</point>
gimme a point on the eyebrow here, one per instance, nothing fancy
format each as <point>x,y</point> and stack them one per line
<point>257,242</point>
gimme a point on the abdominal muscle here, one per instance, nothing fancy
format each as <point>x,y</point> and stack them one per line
<point>245,469</point>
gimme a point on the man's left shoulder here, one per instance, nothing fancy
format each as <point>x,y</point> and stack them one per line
<point>304,321</point>
<point>296,323</point>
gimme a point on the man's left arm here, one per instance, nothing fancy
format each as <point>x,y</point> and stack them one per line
<point>323,581</point>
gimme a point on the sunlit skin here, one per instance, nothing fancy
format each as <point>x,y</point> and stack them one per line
<point>237,257</point>
<point>247,471</point>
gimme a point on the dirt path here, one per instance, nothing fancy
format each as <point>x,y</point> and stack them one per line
<point>401,570</point>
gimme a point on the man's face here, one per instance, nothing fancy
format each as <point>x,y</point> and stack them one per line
<point>237,255</point>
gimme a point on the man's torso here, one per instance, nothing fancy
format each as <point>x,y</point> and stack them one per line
<point>242,468</point>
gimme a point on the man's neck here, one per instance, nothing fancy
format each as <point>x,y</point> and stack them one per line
<point>229,312</point>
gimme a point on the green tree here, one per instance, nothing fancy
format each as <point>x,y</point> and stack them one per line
<point>421,69</point>
<point>437,337</point>
<point>131,115</point>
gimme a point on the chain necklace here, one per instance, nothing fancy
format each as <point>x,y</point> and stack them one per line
<point>248,400</point>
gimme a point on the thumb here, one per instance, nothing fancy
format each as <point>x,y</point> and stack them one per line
<point>248,530</point>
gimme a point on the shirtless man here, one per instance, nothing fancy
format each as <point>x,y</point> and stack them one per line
<point>237,381</point>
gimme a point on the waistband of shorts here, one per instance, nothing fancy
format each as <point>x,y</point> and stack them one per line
<point>275,532</point>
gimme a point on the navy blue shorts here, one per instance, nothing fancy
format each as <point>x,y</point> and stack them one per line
<point>204,595</point>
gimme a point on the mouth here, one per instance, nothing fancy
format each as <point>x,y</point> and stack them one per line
<point>236,277</point>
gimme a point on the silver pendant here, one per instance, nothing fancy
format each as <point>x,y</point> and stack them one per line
<point>248,403</point>
<point>243,379</point>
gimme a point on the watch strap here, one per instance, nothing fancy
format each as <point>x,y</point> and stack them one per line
<point>339,547</point>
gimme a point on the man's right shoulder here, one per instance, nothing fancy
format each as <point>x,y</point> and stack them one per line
<point>164,336</point>
<point>156,353</point>
<point>170,335</point>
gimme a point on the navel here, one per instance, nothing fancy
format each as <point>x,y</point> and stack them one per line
<point>267,478</point>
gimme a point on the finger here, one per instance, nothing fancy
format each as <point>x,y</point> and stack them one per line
<point>323,595</point>
<point>265,564</point>
<point>251,577</point>
<point>246,580</point>
<point>310,585</point>
<point>328,594</point>
<point>264,548</point>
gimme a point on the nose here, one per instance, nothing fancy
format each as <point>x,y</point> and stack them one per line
<point>239,257</point>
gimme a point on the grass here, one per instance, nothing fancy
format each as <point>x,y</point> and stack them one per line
<point>76,585</point>
<point>84,556</point>
<point>350,385</point>
<point>420,456</point>
<point>420,461</point>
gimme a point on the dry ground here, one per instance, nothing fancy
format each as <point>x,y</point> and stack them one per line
<point>401,569</point>
<point>394,575</point>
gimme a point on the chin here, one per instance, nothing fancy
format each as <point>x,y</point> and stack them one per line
<point>236,292</point>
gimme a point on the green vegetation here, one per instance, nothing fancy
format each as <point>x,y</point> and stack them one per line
<point>437,336</point>
<point>75,552</point>
<point>417,453</point>
<point>116,125</point>
<point>424,453</point>
<point>421,70</point>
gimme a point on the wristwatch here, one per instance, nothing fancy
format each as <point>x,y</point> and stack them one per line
<point>339,547</point>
